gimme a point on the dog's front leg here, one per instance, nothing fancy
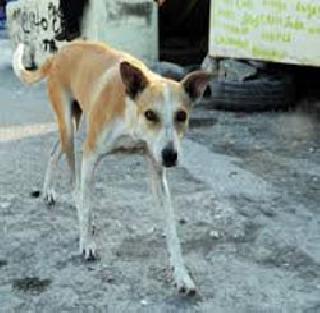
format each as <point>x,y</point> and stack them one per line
<point>161,191</point>
<point>87,244</point>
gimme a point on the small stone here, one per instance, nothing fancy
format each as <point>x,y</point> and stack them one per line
<point>152,229</point>
<point>5,205</point>
<point>311,150</point>
<point>144,302</point>
<point>100,186</point>
<point>238,235</point>
<point>119,225</point>
<point>315,179</point>
<point>3,263</point>
<point>214,234</point>
<point>35,193</point>
<point>163,235</point>
<point>109,278</point>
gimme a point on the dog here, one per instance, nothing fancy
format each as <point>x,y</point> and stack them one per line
<point>119,96</point>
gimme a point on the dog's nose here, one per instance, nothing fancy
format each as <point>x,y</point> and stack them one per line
<point>169,157</point>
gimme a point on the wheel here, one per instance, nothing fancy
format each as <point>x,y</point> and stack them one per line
<point>267,92</point>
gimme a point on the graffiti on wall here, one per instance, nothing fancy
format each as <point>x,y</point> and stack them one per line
<point>35,26</point>
<point>33,21</point>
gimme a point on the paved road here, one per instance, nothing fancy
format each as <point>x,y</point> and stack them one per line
<point>248,193</point>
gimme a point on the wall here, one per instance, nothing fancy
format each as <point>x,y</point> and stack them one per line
<point>129,25</point>
<point>34,23</point>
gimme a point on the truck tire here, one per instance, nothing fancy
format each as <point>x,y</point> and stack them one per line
<point>268,92</point>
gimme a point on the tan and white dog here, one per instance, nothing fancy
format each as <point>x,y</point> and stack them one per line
<point>119,96</point>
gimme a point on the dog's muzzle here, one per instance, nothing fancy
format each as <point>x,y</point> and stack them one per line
<point>169,156</point>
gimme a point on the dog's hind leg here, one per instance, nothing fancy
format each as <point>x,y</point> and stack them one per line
<point>161,191</point>
<point>61,104</point>
<point>48,191</point>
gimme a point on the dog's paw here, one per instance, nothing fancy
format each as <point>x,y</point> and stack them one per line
<point>50,197</point>
<point>184,283</point>
<point>88,249</point>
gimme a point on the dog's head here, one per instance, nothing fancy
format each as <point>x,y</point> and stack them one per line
<point>157,109</point>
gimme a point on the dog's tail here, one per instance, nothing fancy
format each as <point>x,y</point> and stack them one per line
<point>29,77</point>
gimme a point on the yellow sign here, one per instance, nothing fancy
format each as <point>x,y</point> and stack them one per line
<point>270,30</point>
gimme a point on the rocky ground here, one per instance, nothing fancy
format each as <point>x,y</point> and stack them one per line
<point>247,202</point>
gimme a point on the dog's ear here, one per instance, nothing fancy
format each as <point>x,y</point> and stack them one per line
<point>195,83</point>
<point>133,78</point>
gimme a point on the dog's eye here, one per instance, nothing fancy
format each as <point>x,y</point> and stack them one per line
<point>151,116</point>
<point>181,116</point>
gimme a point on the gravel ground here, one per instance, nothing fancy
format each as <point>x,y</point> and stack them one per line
<point>247,202</point>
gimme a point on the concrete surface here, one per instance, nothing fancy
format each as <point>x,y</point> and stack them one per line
<point>247,199</point>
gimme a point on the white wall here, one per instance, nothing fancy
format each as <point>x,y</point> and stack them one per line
<point>130,25</point>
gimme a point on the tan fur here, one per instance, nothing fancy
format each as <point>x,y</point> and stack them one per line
<point>155,94</point>
<point>33,77</point>
<point>76,70</point>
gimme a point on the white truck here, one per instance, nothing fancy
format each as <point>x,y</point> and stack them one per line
<point>270,30</point>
